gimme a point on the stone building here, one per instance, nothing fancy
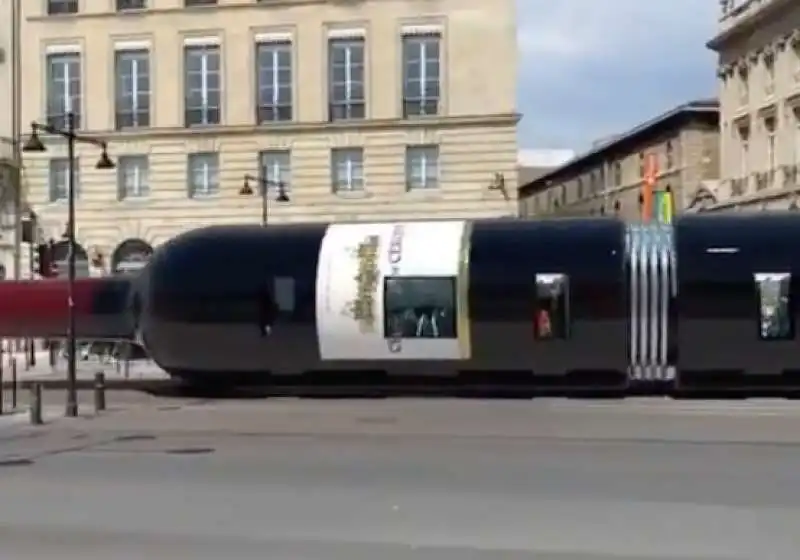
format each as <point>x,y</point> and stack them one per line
<point>759,81</point>
<point>8,166</point>
<point>355,110</point>
<point>681,143</point>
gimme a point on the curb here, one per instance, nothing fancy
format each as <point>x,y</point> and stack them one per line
<point>84,384</point>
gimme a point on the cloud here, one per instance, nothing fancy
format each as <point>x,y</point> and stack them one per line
<point>589,69</point>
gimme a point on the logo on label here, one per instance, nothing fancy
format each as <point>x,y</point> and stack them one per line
<point>395,257</point>
<point>362,308</point>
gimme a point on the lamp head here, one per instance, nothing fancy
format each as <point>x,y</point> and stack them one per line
<point>282,196</point>
<point>34,143</point>
<point>104,162</point>
<point>246,189</point>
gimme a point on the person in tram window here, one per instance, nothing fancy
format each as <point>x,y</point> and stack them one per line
<point>544,326</point>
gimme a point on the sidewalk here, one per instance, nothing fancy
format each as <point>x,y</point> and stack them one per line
<point>140,373</point>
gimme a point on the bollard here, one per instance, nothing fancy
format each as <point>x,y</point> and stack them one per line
<point>2,389</point>
<point>14,384</point>
<point>51,353</point>
<point>36,404</point>
<point>99,391</point>
<point>32,349</point>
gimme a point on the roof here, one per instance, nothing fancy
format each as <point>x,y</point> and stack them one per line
<point>625,142</point>
<point>547,158</point>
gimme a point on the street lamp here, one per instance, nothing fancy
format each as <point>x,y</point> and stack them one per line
<point>264,184</point>
<point>35,144</point>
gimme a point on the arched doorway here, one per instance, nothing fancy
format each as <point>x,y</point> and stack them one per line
<point>60,256</point>
<point>130,256</point>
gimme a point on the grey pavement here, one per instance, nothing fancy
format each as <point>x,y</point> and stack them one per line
<point>406,479</point>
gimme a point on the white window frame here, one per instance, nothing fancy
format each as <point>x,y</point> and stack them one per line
<point>210,174</point>
<point>205,49</point>
<point>140,165</point>
<point>352,160</point>
<point>58,179</point>
<point>276,167</point>
<point>134,91</point>
<point>425,179</point>
<point>65,58</point>
<point>347,44</point>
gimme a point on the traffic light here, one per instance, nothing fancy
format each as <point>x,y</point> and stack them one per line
<point>43,260</point>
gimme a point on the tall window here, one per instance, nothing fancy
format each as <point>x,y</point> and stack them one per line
<point>796,136</point>
<point>769,73</point>
<point>132,69</point>
<point>203,86</point>
<point>795,60</point>
<point>617,174</point>
<point>422,167</point>
<point>58,179</point>
<point>744,151</point>
<point>744,86</point>
<point>133,177</point>
<point>347,170</point>
<point>63,88</point>
<point>346,91</point>
<point>421,75</point>
<point>58,7</point>
<point>274,82</point>
<point>770,125</point>
<point>276,168</point>
<point>203,174</point>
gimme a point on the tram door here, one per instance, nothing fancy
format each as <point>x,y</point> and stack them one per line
<point>652,291</point>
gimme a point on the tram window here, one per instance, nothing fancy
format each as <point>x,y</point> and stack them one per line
<point>776,317</point>
<point>551,309</point>
<point>284,290</point>
<point>420,307</point>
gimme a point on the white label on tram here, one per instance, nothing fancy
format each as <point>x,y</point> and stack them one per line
<point>393,291</point>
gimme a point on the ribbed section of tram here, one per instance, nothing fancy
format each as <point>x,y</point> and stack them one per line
<point>712,306</point>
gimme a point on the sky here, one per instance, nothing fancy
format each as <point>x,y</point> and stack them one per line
<point>590,69</point>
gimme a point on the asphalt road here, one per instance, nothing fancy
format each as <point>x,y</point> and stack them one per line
<point>397,480</point>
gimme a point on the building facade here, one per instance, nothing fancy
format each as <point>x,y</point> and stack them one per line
<point>680,146</point>
<point>759,87</point>
<point>8,182</point>
<point>356,110</point>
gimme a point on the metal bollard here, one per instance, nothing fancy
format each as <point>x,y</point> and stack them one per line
<point>32,349</point>
<point>36,404</point>
<point>14,383</point>
<point>99,391</point>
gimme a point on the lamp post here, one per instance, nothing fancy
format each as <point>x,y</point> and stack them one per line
<point>264,184</point>
<point>35,144</point>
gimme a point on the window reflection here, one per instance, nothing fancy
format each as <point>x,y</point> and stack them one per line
<point>551,307</point>
<point>776,321</point>
<point>420,307</point>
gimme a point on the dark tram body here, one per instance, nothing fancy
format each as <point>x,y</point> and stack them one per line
<point>737,301</point>
<point>572,304</point>
<point>491,301</point>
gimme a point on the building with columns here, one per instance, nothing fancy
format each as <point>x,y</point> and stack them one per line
<point>357,110</point>
<point>759,89</point>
